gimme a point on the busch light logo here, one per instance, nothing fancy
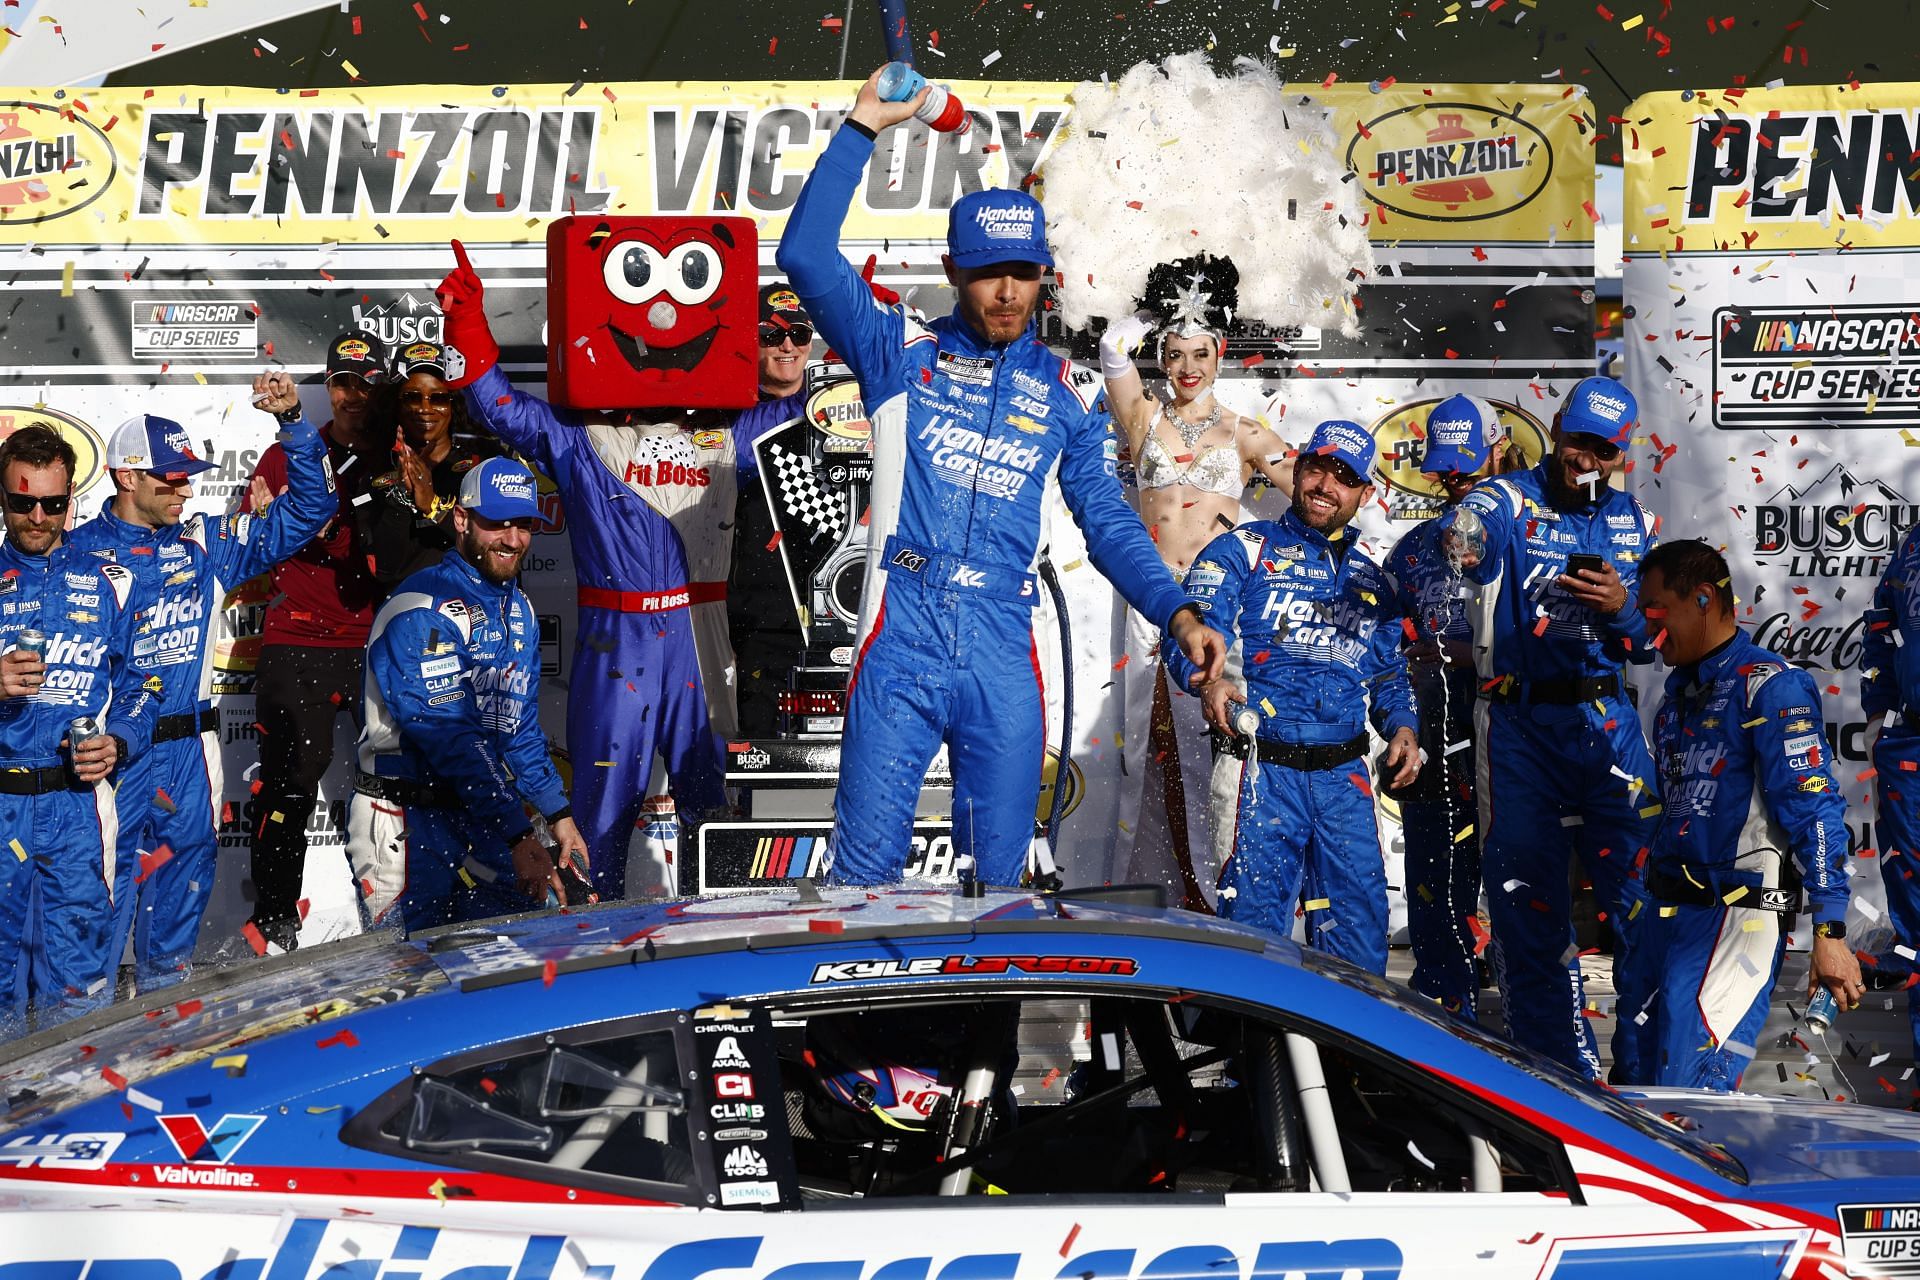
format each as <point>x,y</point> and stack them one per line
<point>396,323</point>
<point>1009,222</point>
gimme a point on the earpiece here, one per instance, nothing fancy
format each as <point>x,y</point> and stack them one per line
<point>1703,600</point>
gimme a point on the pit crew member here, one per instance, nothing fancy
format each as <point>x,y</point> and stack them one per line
<point>1320,631</point>
<point>972,418</point>
<point>650,504</point>
<point>452,753</point>
<point>171,798</point>
<point>1437,815</point>
<point>1561,758</point>
<point>57,816</point>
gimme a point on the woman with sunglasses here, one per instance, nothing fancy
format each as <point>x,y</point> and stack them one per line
<point>410,525</point>
<point>1193,459</point>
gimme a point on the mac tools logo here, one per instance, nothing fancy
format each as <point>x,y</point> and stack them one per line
<point>1837,527</point>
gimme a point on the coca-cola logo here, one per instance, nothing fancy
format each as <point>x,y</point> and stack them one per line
<point>1832,646</point>
<point>1837,527</point>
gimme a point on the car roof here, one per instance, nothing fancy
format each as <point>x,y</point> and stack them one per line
<point>218,1014</point>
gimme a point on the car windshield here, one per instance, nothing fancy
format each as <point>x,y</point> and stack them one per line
<point>1547,1071</point>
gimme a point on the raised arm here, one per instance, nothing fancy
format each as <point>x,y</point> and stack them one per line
<point>1127,397</point>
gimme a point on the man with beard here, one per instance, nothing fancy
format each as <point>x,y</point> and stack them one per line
<point>973,417</point>
<point>1563,765</point>
<point>452,755</point>
<point>1321,634</point>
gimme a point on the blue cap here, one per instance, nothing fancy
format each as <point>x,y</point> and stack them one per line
<point>1349,442</point>
<point>154,444</point>
<point>997,225</point>
<point>500,489</point>
<point>1600,407</point>
<point>1460,433</point>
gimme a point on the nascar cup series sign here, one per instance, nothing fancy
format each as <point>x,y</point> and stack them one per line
<point>1773,294</point>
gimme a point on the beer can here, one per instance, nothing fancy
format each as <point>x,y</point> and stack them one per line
<point>82,729</point>
<point>33,641</point>
<point>1821,1011</point>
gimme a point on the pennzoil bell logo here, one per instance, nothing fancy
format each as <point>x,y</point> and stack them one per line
<point>52,162</point>
<point>1450,161</point>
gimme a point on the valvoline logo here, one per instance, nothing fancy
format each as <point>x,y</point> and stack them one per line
<point>197,1144</point>
<point>1450,161</point>
<point>52,162</point>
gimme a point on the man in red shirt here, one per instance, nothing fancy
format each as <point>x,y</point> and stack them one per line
<point>315,637</point>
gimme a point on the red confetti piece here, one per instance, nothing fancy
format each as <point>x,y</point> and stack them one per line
<point>344,1037</point>
<point>826,926</point>
<point>187,1008</point>
<point>1067,1245</point>
<point>114,1078</point>
<point>251,932</point>
<point>548,972</point>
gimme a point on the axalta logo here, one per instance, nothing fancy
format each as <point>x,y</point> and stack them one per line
<point>197,1144</point>
<point>89,450</point>
<point>1450,161</point>
<point>52,163</point>
<point>963,966</point>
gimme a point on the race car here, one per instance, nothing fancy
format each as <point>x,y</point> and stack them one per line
<point>904,1084</point>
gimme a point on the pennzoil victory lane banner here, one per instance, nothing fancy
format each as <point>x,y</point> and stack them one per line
<point>1773,300</point>
<point>162,245</point>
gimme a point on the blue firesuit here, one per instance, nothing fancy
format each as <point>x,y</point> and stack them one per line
<point>1743,762</point>
<point>650,509</point>
<point>170,798</point>
<point>452,752</point>
<point>1437,813</point>
<point>1890,698</point>
<point>57,834</point>
<point>1561,759</point>
<point>967,436</point>
<point>1320,631</point>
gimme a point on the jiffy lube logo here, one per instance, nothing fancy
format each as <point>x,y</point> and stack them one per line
<point>1006,222</point>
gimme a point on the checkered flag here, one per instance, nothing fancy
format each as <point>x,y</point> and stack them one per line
<point>797,490</point>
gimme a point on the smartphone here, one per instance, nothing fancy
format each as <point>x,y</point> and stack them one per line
<point>1575,563</point>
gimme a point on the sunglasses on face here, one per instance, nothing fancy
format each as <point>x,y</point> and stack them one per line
<point>22,504</point>
<point>772,335</point>
<point>427,399</point>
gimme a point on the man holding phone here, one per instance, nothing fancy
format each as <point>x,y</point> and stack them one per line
<point>1556,552</point>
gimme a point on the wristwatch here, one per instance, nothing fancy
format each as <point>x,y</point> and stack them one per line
<point>288,417</point>
<point>1831,929</point>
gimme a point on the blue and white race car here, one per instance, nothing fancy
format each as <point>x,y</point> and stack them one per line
<point>899,1085</point>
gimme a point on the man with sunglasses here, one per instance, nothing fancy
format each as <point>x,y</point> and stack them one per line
<point>1562,762</point>
<point>1320,628</point>
<point>170,798</point>
<point>315,637</point>
<point>57,810</point>
<point>410,520</point>
<point>761,619</point>
<point>1437,813</point>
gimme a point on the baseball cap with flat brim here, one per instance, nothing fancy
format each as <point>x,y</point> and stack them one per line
<point>997,225</point>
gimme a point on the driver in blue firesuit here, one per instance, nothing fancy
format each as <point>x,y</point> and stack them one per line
<point>1319,624</point>
<point>1748,793</point>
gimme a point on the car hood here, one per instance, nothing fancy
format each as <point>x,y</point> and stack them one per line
<point>1792,1140</point>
